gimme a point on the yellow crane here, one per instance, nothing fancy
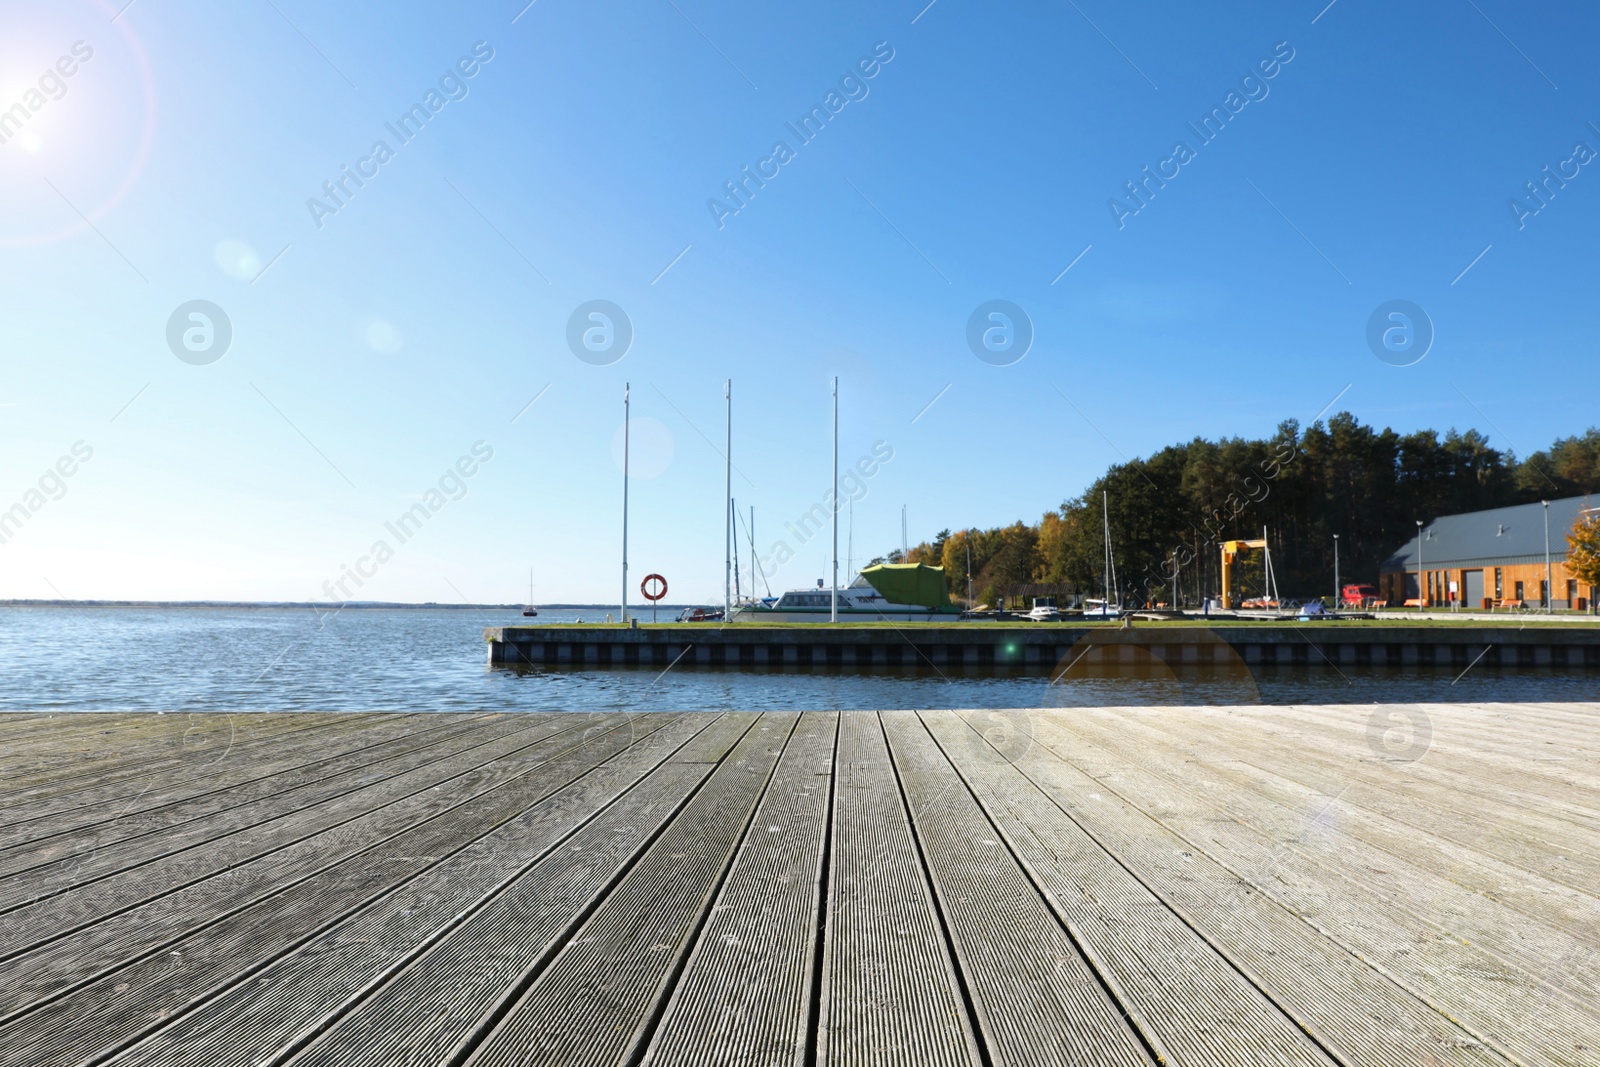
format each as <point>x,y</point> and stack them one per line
<point>1230,552</point>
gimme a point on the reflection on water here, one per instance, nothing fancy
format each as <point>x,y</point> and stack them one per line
<point>235,659</point>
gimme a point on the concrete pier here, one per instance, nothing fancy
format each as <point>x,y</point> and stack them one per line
<point>1045,649</point>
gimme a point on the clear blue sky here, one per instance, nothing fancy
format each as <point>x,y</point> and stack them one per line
<point>388,336</point>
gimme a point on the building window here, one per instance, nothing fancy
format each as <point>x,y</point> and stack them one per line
<point>1518,587</point>
<point>1572,591</point>
<point>1544,593</point>
<point>1499,584</point>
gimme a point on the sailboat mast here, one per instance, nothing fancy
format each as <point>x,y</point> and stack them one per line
<point>727,509</point>
<point>1105,517</point>
<point>623,611</point>
<point>833,611</point>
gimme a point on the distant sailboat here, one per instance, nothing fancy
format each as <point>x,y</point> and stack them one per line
<point>528,610</point>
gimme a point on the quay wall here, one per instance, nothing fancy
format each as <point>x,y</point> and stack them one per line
<point>1043,649</point>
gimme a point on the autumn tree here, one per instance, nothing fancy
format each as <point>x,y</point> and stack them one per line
<point>1304,485</point>
<point>1583,548</point>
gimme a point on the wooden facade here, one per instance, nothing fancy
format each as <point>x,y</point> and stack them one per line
<point>1488,586</point>
<point>1509,557</point>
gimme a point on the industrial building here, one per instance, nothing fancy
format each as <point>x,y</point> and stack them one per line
<point>1491,559</point>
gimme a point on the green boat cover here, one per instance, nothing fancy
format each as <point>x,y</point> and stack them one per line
<point>910,583</point>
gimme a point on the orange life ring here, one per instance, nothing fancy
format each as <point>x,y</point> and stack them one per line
<point>644,587</point>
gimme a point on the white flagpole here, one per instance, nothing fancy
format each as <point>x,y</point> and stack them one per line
<point>833,615</point>
<point>624,503</point>
<point>727,510</point>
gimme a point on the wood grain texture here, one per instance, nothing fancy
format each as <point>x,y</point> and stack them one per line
<point>1133,886</point>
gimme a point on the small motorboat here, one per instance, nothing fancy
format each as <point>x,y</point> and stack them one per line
<point>1044,609</point>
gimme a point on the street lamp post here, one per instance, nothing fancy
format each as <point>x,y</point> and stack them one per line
<point>1422,587</point>
<point>1594,608</point>
<point>969,569</point>
<point>1549,584</point>
<point>1337,599</point>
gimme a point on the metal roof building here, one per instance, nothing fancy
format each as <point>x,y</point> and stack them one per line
<point>1499,551</point>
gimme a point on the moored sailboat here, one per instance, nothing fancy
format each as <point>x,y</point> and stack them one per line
<point>528,610</point>
<point>1106,608</point>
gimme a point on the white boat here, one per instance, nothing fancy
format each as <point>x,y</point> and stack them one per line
<point>528,610</point>
<point>1044,609</point>
<point>889,592</point>
<point>1099,609</point>
<point>1105,609</point>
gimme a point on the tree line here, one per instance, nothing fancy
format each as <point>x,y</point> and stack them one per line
<point>1168,511</point>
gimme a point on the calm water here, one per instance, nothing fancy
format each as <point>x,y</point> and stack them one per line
<point>194,659</point>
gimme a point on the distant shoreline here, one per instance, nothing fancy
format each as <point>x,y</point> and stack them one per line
<point>319,605</point>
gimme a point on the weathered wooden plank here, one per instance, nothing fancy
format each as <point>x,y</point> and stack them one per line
<point>48,836</point>
<point>21,732</point>
<point>1299,866</point>
<point>65,736</point>
<point>1423,803</point>
<point>1521,909</point>
<point>95,759</point>
<point>77,741</point>
<point>745,995</point>
<point>569,847</point>
<point>595,1001</point>
<point>206,768</point>
<point>1356,1010</point>
<point>1196,1003</point>
<point>1206,884</point>
<point>889,993</point>
<point>196,755</point>
<point>150,993</point>
<point>386,844</point>
<point>1038,999</point>
<point>119,846</point>
<point>41,905</point>
<point>432,1011</point>
<point>1486,784</point>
